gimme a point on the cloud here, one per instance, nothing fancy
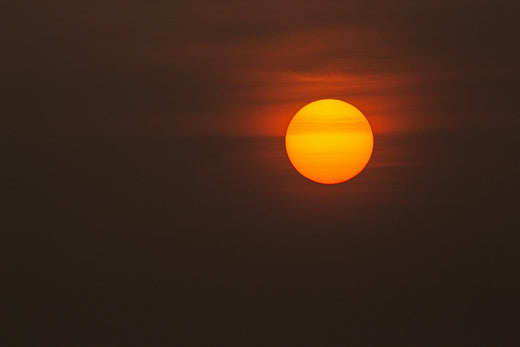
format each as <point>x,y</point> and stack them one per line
<point>235,67</point>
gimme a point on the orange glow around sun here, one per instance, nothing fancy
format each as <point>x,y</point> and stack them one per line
<point>329,141</point>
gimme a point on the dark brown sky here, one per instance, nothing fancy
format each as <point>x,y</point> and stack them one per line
<point>194,239</point>
<point>240,68</point>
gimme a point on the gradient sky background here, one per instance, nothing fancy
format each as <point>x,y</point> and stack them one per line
<point>149,200</point>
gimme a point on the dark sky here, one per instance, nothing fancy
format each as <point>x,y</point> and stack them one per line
<point>149,200</point>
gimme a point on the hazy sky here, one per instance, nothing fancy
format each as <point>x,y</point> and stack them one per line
<point>159,240</point>
<point>245,67</point>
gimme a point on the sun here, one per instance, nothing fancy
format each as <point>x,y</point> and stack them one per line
<point>329,141</point>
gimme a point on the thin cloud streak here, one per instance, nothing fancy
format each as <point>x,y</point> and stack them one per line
<point>236,68</point>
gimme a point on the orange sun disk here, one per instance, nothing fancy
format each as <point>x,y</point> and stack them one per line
<point>329,141</point>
